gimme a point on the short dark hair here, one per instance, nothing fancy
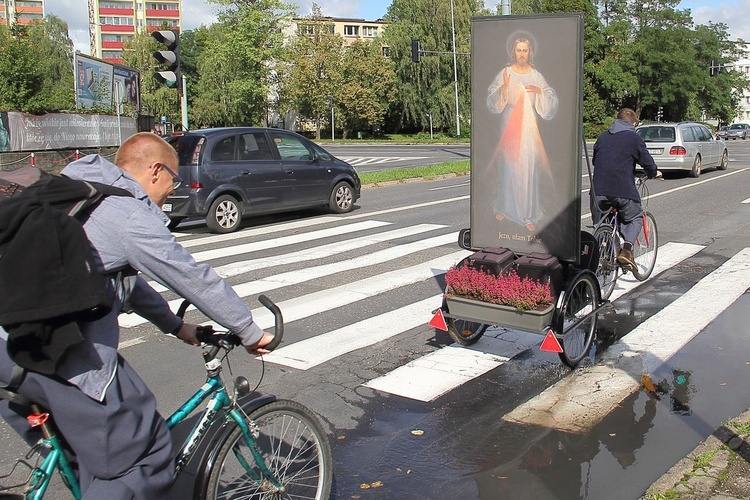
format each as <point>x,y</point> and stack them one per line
<point>628,115</point>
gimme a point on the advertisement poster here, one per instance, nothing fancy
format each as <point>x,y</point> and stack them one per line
<point>526,133</point>
<point>127,86</point>
<point>64,130</point>
<point>93,82</point>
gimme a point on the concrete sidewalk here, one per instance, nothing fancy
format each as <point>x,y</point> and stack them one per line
<point>718,468</point>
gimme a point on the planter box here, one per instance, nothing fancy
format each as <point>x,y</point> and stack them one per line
<point>505,316</point>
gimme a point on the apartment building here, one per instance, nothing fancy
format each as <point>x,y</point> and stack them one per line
<point>21,11</point>
<point>112,23</point>
<point>350,29</point>
<point>743,65</point>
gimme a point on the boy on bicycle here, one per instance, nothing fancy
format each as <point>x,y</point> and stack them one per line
<point>616,152</point>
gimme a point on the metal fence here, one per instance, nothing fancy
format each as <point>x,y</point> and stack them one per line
<point>52,161</point>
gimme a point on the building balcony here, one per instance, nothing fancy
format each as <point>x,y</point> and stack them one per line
<point>116,12</point>
<point>111,28</point>
<point>154,13</point>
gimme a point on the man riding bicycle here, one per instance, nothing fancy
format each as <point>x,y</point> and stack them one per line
<point>104,411</point>
<point>616,152</point>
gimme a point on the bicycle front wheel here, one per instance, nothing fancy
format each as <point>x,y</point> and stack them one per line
<point>294,448</point>
<point>645,248</point>
<point>607,269</point>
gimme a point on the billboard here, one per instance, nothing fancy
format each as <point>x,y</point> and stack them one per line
<point>526,133</point>
<point>127,87</point>
<point>93,82</point>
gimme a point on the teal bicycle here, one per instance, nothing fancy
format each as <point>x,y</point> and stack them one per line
<point>264,448</point>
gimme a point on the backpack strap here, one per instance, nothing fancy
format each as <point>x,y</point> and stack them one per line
<point>8,391</point>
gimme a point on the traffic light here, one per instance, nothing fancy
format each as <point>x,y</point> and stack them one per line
<point>659,114</point>
<point>170,58</point>
<point>416,51</point>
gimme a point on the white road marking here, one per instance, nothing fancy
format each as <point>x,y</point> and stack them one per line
<point>287,240</point>
<point>577,402</point>
<point>431,376</point>
<point>349,293</point>
<point>318,252</point>
<point>377,160</point>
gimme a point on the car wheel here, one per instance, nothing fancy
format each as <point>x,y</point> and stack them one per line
<point>225,215</point>
<point>724,161</point>
<point>174,222</point>
<point>342,198</point>
<point>696,170</point>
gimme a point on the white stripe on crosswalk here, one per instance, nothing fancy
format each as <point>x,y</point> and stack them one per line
<point>377,160</point>
<point>577,403</point>
<point>444,374</point>
<point>315,253</point>
<point>287,240</point>
<point>249,233</point>
<point>371,286</point>
<point>431,376</point>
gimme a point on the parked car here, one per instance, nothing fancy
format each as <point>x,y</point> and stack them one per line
<point>738,131</point>
<point>684,146</point>
<point>233,172</point>
<point>722,132</point>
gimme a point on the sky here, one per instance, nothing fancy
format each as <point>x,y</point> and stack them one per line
<point>733,13</point>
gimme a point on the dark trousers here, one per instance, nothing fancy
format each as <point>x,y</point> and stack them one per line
<point>122,446</point>
<point>628,213</point>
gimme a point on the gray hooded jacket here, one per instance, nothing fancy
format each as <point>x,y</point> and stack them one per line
<point>131,233</point>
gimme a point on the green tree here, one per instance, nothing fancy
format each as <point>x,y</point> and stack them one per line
<point>310,77</point>
<point>367,86</point>
<point>237,62</point>
<point>36,67</point>
<point>427,88</point>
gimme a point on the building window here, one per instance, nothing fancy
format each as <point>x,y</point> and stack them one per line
<point>111,54</point>
<point>159,22</point>
<point>369,31</point>
<point>386,51</point>
<point>161,6</point>
<point>350,30</point>
<point>116,21</point>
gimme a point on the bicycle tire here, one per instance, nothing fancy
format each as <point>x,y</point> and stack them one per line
<point>578,321</point>
<point>645,248</point>
<point>294,447</point>
<point>465,332</point>
<point>607,269</point>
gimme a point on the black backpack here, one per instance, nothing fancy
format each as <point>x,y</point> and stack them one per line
<point>48,274</point>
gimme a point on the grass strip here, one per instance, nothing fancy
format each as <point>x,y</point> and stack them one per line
<point>428,171</point>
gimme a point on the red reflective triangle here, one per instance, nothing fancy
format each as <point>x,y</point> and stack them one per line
<point>550,343</point>
<point>438,321</point>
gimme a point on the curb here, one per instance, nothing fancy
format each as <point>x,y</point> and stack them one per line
<point>718,468</point>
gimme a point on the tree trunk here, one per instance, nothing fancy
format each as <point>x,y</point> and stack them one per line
<point>317,127</point>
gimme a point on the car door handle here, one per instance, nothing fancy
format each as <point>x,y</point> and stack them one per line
<point>245,172</point>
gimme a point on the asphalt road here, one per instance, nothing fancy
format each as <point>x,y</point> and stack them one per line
<point>357,292</point>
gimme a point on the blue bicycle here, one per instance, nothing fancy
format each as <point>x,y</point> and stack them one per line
<point>264,448</point>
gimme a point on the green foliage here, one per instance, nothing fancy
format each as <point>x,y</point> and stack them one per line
<point>36,67</point>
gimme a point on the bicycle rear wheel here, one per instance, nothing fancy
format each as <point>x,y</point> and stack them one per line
<point>607,269</point>
<point>293,446</point>
<point>465,332</point>
<point>578,322</point>
<point>645,248</point>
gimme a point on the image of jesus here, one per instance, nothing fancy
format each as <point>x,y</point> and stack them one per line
<point>519,94</point>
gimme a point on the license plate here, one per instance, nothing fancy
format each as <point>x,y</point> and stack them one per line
<point>655,151</point>
<point>167,207</point>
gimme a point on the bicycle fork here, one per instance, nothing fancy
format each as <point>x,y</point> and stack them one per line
<point>250,433</point>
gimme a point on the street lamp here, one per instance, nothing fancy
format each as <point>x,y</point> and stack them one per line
<point>455,72</point>
<point>430,116</point>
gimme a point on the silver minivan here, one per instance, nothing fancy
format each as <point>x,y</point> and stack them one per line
<point>686,146</point>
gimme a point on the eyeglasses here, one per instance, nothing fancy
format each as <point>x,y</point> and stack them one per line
<point>176,181</point>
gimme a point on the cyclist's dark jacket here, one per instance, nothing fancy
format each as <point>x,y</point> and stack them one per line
<point>616,152</point>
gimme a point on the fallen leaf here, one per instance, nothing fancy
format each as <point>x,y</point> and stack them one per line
<point>364,486</point>
<point>408,471</point>
<point>340,437</point>
<point>612,434</point>
<point>398,469</point>
<point>724,383</point>
<point>376,484</point>
<point>417,432</point>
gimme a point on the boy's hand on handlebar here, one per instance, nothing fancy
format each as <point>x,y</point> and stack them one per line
<point>257,348</point>
<point>189,334</point>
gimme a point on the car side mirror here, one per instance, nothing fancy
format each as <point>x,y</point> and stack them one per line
<point>464,239</point>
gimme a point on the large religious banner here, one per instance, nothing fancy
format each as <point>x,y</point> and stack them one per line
<point>526,133</point>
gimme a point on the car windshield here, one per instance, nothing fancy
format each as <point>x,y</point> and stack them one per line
<point>737,126</point>
<point>656,134</point>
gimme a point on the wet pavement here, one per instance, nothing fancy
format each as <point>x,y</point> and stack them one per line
<point>460,447</point>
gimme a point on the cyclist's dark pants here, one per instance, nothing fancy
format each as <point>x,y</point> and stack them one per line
<point>122,446</point>
<point>628,212</point>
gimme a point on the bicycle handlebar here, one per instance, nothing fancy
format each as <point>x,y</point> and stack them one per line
<point>206,334</point>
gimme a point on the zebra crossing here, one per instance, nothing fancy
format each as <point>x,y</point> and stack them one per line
<point>362,259</point>
<point>358,161</point>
